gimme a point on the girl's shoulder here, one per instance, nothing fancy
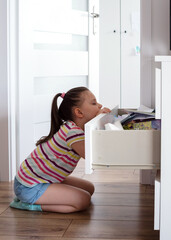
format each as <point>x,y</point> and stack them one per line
<point>70,126</point>
<point>73,134</point>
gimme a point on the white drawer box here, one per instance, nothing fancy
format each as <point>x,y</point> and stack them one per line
<point>124,148</point>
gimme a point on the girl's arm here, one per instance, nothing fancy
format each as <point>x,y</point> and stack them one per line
<point>79,148</point>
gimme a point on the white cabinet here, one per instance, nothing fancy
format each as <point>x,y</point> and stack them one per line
<point>163,78</point>
<point>96,137</point>
<point>119,41</point>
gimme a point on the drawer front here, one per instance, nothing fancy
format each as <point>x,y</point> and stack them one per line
<point>96,123</point>
<point>157,202</point>
<point>158,93</point>
<point>136,148</point>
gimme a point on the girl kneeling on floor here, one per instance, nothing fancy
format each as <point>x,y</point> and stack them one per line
<point>42,182</point>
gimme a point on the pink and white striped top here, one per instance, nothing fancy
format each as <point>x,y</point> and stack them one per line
<point>53,160</point>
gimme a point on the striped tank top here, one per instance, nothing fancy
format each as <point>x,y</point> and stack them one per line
<point>54,160</point>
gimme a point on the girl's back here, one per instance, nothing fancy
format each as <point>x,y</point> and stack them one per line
<point>54,160</point>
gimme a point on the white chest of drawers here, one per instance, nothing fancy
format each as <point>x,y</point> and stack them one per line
<point>96,151</point>
<point>163,183</point>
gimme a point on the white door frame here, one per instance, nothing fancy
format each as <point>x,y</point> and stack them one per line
<point>8,49</point>
<point>4,127</point>
<point>13,77</point>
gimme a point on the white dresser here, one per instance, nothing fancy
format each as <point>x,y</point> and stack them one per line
<point>141,149</point>
<point>163,182</point>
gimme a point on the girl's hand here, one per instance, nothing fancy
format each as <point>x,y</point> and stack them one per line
<point>104,110</point>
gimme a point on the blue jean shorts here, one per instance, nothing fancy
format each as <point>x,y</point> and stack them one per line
<point>29,194</point>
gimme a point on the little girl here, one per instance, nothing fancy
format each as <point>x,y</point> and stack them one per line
<point>42,182</point>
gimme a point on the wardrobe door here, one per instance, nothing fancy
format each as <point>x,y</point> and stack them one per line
<point>109,52</point>
<point>130,53</point>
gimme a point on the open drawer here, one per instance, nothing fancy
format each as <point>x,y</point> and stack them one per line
<point>123,148</point>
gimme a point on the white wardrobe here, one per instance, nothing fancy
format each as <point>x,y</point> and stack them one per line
<point>119,41</point>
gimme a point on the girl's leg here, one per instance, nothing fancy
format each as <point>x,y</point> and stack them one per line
<point>79,183</point>
<point>64,198</point>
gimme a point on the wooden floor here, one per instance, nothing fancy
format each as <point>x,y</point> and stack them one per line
<point>121,209</point>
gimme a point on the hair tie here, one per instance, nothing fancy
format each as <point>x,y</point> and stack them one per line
<point>63,95</point>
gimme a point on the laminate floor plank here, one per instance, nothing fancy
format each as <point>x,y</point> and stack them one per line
<point>6,185</point>
<point>123,199</point>
<point>33,226</point>
<point>149,189</point>
<point>32,237</point>
<point>112,176</point>
<point>6,196</point>
<point>3,207</point>
<point>113,187</point>
<point>112,230</point>
<point>118,213</point>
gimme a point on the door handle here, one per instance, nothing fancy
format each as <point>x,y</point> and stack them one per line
<point>95,15</point>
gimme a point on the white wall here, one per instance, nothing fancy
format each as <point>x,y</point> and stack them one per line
<point>4,162</point>
<point>155,41</point>
<point>160,33</point>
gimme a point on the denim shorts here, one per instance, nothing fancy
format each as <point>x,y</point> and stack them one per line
<point>29,194</point>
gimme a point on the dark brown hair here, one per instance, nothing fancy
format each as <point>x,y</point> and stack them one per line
<point>59,115</point>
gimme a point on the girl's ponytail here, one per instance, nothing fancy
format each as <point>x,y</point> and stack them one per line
<point>56,121</point>
<point>70,99</point>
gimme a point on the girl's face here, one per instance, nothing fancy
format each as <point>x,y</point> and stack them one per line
<point>90,107</point>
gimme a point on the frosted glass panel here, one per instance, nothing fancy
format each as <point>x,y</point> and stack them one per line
<point>81,5</point>
<point>64,42</point>
<point>48,63</point>
<point>53,85</point>
<point>69,21</point>
<point>51,5</point>
<point>52,38</point>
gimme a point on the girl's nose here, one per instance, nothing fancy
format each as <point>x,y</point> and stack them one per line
<point>100,105</point>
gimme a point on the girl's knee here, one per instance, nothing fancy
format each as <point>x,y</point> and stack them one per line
<point>84,201</point>
<point>92,188</point>
<point>89,187</point>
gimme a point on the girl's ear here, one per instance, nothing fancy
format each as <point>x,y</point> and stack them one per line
<point>78,113</point>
